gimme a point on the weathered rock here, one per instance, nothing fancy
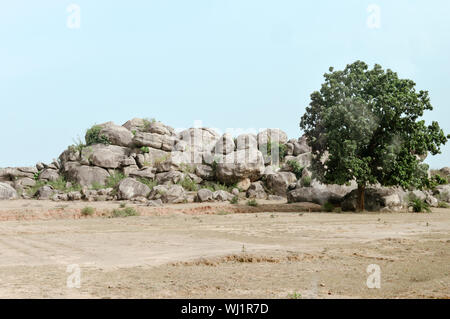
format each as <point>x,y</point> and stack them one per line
<point>160,128</point>
<point>152,158</point>
<point>7,192</point>
<point>276,197</point>
<point>204,195</point>
<point>146,172</point>
<point>24,183</point>
<point>74,196</point>
<point>244,184</point>
<point>235,191</point>
<point>304,160</point>
<point>108,156</point>
<point>130,188</point>
<point>158,141</point>
<point>171,194</point>
<point>206,172</point>
<point>134,125</point>
<point>40,166</point>
<point>246,141</point>
<point>274,135</point>
<point>225,145</point>
<point>85,175</point>
<point>49,175</point>
<point>13,173</point>
<point>199,139</point>
<point>117,135</point>
<point>172,177</point>
<point>222,196</point>
<point>45,192</point>
<point>376,199</point>
<point>179,161</point>
<point>443,192</point>
<point>279,182</point>
<point>155,203</point>
<point>256,190</point>
<point>301,146</point>
<point>241,164</point>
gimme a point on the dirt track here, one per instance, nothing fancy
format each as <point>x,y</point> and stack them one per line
<point>196,251</point>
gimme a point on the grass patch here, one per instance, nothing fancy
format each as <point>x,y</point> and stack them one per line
<point>328,207</point>
<point>443,205</point>
<point>252,202</point>
<point>234,200</point>
<point>93,136</point>
<point>87,211</point>
<point>126,212</point>
<point>419,206</point>
<point>306,181</point>
<point>148,181</point>
<point>188,184</point>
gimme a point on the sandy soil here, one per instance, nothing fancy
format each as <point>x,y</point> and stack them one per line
<point>210,251</point>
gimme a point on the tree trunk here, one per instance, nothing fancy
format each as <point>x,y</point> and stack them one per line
<point>361,199</point>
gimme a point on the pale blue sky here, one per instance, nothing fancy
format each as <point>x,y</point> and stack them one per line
<point>229,63</point>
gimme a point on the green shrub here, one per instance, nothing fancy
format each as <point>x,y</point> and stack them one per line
<point>252,202</point>
<point>93,136</point>
<point>306,181</point>
<point>36,176</point>
<point>145,149</point>
<point>114,179</point>
<point>216,186</point>
<point>328,207</point>
<point>234,200</point>
<point>87,211</point>
<point>418,205</point>
<point>296,168</point>
<point>188,184</point>
<point>443,205</point>
<point>33,189</point>
<point>126,212</point>
<point>282,149</point>
<point>147,123</point>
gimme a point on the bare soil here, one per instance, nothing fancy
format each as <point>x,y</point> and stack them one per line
<point>217,250</point>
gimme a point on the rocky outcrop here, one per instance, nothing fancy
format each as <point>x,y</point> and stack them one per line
<point>129,188</point>
<point>7,192</point>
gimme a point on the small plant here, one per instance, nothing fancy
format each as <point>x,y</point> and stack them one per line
<point>147,123</point>
<point>126,212</point>
<point>114,179</point>
<point>296,168</point>
<point>188,184</point>
<point>306,181</point>
<point>123,205</point>
<point>145,149</point>
<point>269,146</point>
<point>418,205</point>
<point>252,202</point>
<point>133,132</point>
<point>88,211</point>
<point>295,295</point>
<point>443,205</point>
<point>234,200</point>
<point>93,136</point>
<point>147,181</point>
<point>36,176</point>
<point>338,210</point>
<point>215,186</point>
<point>328,207</point>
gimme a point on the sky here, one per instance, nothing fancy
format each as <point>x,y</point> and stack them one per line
<point>242,64</point>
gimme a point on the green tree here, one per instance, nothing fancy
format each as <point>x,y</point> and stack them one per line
<point>364,125</point>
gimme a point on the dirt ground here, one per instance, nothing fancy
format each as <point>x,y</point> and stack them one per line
<point>274,250</point>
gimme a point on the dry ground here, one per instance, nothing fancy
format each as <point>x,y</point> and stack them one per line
<point>210,251</point>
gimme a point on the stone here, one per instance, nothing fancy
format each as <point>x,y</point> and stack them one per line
<point>246,141</point>
<point>155,203</point>
<point>199,139</point>
<point>276,197</point>
<point>244,184</point>
<point>85,175</point>
<point>278,183</point>
<point>7,192</point>
<point>204,195</point>
<point>129,188</point>
<point>222,196</point>
<point>152,158</point>
<point>240,164</point>
<point>274,135</point>
<point>256,190</point>
<point>49,175</point>
<point>225,145</point>
<point>146,172</point>
<point>25,182</point>
<point>172,177</point>
<point>375,199</point>
<point>160,128</point>
<point>205,172</point>
<point>301,146</point>
<point>108,156</point>
<point>169,194</point>
<point>45,192</point>
<point>443,193</point>
<point>164,142</point>
<point>235,191</point>
<point>134,125</point>
<point>179,161</point>
<point>74,196</point>
<point>39,166</point>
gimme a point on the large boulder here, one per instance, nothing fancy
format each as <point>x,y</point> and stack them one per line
<point>154,140</point>
<point>225,145</point>
<point>152,157</point>
<point>256,190</point>
<point>376,199</point>
<point>49,175</point>
<point>13,173</point>
<point>85,175</point>
<point>222,196</point>
<point>179,161</point>
<point>206,172</point>
<point>204,195</point>
<point>301,146</point>
<point>234,167</point>
<point>199,139</point>
<point>106,156</point>
<point>246,141</point>
<point>7,192</point>
<point>319,193</point>
<point>275,135</point>
<point>145,172</point>
<point>134,125</point>
<point>117,135</point>
<point>443,193</point>
<point>278,183</point>
<point>159,128</point>
<point>129,188</point>
<point>169,194</point>
<point>45,192</point>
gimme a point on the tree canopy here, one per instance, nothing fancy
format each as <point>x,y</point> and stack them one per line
<point>364,125</point>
